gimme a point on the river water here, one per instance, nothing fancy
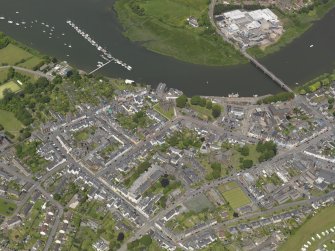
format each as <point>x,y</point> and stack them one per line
<point>296,63</point>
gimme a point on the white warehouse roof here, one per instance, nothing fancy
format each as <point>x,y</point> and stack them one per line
<point>235,14</point>
<point>253,25</point>
<point>266,14</point>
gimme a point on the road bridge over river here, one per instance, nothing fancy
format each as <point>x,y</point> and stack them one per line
<point>266,71</point>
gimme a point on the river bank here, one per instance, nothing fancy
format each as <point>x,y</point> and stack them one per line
<point>158,27</point>
<point>295,25</point>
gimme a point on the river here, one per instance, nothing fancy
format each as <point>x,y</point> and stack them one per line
<point>296,63</point>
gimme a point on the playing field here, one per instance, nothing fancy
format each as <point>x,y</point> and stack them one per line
<point>10,123</point>
<point>11,86</point>
<point>6,207</point>
<point>198,203</point>
<point>322,221</point>
<point>236,198</point>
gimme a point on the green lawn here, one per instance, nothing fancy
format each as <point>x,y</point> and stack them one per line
<point>10,123</point>
<point>234,160</point>
<point>316,225</point>
<point>12,55</point>
<point>236,198</point>
<point>227,186</point>
<point>161,26</point>
<point>198,203</point>
<point>203,112</point>
<point>6,207</point>
<point>169,114</point>
<point>11,86</point>
<point>83,134</point>
<point>3,75</point>
<point>31,63</point>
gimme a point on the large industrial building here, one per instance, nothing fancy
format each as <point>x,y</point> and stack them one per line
<point>258,27</point>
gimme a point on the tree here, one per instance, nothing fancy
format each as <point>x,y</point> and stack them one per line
<point>216,110</point>
<point>181,101</point>
<point>10,73</point>
<point>57,196</point>
<point>196,100</point>
<point>42,82</point>
<point>120,236</point>
<point>216,170</point>
<point>247,163</point>
<point>209,104</point>
<point>146,240</point>
<point>244,150</point>
<point>165,182</point>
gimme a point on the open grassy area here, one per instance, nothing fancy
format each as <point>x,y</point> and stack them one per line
<point>83,134</point>
<point>203,112</point>
<point>3,75</point>
<point>31,63</point>
<point>10,123</point>
<point>236,155</point>
<point>198,203</point>
<point>169,114</point>
<point>236,198</point>
<point>295,26</point>
<point>321,222</point>
<point>14,55</point>
<point>227,186</point>
<point>11,86</point>
<point>6,207</point>
<point>161,26</point>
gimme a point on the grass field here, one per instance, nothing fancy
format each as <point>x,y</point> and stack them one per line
<point>31,63</point>
<point>10,123</point>
<point>203,112</point>
<point>236,155</point>
<point>6,207</point>
<point>227,186</point>
<point>198,203</point>
<point>11,86</point>
<point>322,221</point>
<point>161,26</point>
<point>3,75</point>
<point>236,198</point>
<point>169,114</point>
<point>13,55</point>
